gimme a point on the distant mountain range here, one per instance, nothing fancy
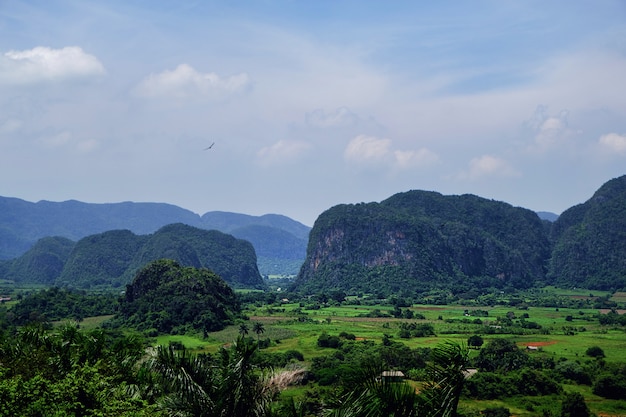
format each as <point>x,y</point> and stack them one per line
<point>112,259</point>
<point>279,242</point>
<point>417,241</point>
<point>411,242</point>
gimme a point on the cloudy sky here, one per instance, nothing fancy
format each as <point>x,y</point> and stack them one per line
<point>310,104</point>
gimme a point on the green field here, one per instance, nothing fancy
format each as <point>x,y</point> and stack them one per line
<point>291,327</point>
<point>558,335</point>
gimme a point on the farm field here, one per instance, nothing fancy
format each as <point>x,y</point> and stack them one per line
<point>558,335</point>
<point>565,333</point>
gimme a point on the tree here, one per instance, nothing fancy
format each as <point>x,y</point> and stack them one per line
<point>595,352</point>
<point>475,341</point>
<point>501,355</point>
<point>376,396</point>
<point>610,385</point>
<point>199,386</point>
<point>574,405</point>
<point>243,329</point>
<point>258,328</point>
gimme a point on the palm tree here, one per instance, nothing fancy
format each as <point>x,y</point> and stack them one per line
<point>243,329</point>
<point>258,328</point>
<point>446,375</point>
<point>376,396</point>
<point>199,386</point>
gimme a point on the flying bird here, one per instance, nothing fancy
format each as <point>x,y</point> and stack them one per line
<point>206,149</point>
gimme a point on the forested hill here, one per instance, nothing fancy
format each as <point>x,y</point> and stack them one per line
<point>590,241</point>
<point>420,240</point>
<point>279,241</point>
<point>165,297</point>
<point>112,258</point>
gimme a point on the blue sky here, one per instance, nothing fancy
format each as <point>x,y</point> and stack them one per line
<point>310,104</point>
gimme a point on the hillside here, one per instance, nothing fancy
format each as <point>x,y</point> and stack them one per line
<point>418,240</point>
<point>42,264</point>
<point>165,297</point>
<point>23,223</point>
<point>112,258</point>
<point>590,241</point>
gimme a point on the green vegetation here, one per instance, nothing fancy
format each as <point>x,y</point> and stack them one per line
<point>58,304</point>
<point>109,260</point>
<point>465,246</point>
<point>280,242</point>
<point>165,297</point>
<point>423,240</point>
<point>590,241</point>
<point>332,352</point>
<point>421,305</point>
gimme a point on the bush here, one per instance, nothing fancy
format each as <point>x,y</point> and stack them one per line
<point>573,371</point>
<point>574,406</point>
<point>327,341</point>
<point>610,386</point>
<point>595,352</point>
<point>294,354</point>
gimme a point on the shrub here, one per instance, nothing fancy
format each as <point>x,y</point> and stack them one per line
<point>610,386</point>
<point>595,352</point>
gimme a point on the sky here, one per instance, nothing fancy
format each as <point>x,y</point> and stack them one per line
<point>310,104</point>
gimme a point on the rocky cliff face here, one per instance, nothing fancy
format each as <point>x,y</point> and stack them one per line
<point>422,239</point>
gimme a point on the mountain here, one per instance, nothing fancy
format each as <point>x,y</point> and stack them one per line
<point>279,241</point>
<point>23,223</point>
<point>165,297</point>
<point>234,260</point>
<point>590,241</point>
<point>418,240</point>
<point>230,222</point>
<point>112,258</point>
<point>41,264</point>
<point>546,215</point>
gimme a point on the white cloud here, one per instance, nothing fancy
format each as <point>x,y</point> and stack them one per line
<point>185,81</point>
<point>56,140</point>
<point>66,140</point>
<point>283,151</point>
<point>367,149</point>
<point>46,64</point>
<point>415,159</point>
<point>613,142</point>
<point>87,146</point>
<point>341,117</point>
<point>487,166</point>
<point>548,131</point>
<point>10,126</point>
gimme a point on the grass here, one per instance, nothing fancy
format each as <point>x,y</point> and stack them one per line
<point>291,327</point>
<point>190,342</point>
<point>619,297</point>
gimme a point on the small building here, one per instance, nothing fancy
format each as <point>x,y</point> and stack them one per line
<point>392,376</point>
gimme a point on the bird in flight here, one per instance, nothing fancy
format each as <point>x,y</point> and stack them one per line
<point>206,149</point>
